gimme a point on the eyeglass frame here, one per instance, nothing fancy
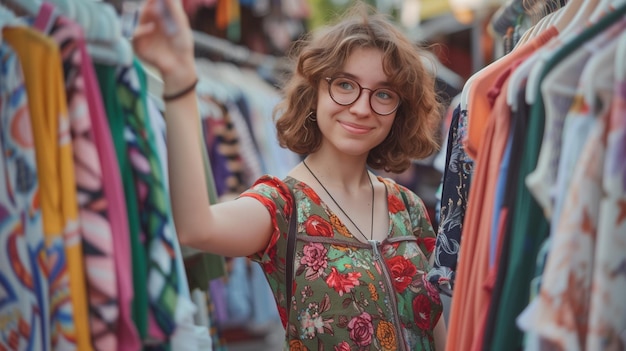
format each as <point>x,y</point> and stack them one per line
<point>329,80</point>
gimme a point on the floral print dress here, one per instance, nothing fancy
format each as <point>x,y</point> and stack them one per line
<point>347,294</point>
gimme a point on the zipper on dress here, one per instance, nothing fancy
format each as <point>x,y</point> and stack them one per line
<point>392,293</point>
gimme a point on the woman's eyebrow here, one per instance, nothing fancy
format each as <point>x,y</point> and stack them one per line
<point>352,76</point>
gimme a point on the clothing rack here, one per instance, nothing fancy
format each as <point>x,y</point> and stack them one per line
<point>20,7</point>
<point>507,15</point>
<point>239,54</point>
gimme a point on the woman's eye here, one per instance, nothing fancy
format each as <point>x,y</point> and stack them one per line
<point>346,85</point>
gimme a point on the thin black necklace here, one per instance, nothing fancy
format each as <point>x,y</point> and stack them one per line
<point>344,212</point>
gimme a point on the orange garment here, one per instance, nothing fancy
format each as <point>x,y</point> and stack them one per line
<point>478,106</point>
<point>43,77</point>
<point>470,306</point>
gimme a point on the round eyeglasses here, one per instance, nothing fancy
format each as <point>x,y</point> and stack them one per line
<point>346,91</point>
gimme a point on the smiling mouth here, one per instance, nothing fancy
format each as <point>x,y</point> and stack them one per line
<point>355,128</point>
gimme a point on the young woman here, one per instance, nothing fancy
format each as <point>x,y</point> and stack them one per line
<point>359,97</point>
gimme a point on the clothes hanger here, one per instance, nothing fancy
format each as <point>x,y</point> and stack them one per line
<point>102,30</point>
<point>599,73</point>
<point>66,7</point>
<point>21,7</point>
<point>568,27</point>
<point>528,34</point>
<point>6,17</point>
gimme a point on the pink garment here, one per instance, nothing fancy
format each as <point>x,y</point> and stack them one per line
<point>114,192</point>
<point>90,117</point>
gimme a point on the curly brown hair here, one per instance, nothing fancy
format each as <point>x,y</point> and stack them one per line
<point>322,53</point>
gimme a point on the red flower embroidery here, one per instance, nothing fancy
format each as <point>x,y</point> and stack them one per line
<point>402,272</point>
<point>343,346</point>
<point>317,226</point>
<point>310,193</point>
<point>269,267</point>
<point>282,312</point>
<point>395,204</point>
<point>342,283</point>
<point>428,242</point>
<point>421,312</point>
<point>361,329</point>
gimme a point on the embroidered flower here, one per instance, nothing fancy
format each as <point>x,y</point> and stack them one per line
<point>361,329</point>
<point>395,204</point>
<point>315,260</point>
<point>421,312</point>
<point>386,334</point>
<point>428,243</point>
<point>402,272</point>
<point>343,346</point>
<point>282,313</point>
<point>297,345</point>
<point>373,293</point>
<point>431,289</point>
<point>339,227</point>
<point>342,283</point>
<point>270,266</point>
<point>312,322</point>
<point>310,193</point>
<point>317,226</point>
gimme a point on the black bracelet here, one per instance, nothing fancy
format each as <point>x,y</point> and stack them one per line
<point>181,93</point>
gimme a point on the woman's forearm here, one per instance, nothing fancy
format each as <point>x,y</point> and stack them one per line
<point>188,189</point>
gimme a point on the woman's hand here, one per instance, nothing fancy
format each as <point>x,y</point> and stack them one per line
<point>163,39</point>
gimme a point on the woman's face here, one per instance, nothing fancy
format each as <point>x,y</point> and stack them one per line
<point>356,128</point>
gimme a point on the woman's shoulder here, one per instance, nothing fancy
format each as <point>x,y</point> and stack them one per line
<point>397,188</point>
<point>272,187</point>
<point>412,202</point>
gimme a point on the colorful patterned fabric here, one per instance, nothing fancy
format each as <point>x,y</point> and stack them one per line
<point>97,237</point>
<point>24,305</point>
<point>608,307</point>
<point>455,194</point>
<point>41,64</point>
<point>152,197</point>
<point>349,294</point>
<point>116,121</point>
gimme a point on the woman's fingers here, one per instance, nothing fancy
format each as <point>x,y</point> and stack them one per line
<point>142,30</point>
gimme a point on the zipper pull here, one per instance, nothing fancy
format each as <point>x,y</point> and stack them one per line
<point>374,244</point>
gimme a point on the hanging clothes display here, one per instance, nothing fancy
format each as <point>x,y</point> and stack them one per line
<point>94,262</point>
<point>545,134</point>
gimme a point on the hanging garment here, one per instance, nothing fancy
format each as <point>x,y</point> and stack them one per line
<point>25,307</point>
<point>115,115</point>
<point>455,192</point>
<point>152,200</point>
<point>41,63</point>
<point>530,226</point>
<point>97,239</point>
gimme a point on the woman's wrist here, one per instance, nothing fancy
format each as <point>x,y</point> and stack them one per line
<point>180,93</point>
<point>178,79</point>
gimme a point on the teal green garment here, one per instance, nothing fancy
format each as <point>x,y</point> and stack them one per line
<point>530,227</point>
<point>153,203</point>
<point>106,79</point>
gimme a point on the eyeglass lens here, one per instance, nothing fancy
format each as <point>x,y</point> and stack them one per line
<point>346,91</point>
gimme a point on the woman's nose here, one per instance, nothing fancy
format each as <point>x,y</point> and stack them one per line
<point>362,106</point>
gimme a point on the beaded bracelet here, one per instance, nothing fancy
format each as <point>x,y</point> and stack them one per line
<point>181,93</point>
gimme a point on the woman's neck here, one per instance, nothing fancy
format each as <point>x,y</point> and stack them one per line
<point>345,173</point>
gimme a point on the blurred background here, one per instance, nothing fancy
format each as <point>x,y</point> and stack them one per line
<point>241,48</point>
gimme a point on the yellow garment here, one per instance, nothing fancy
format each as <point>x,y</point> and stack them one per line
<point>43,76</point>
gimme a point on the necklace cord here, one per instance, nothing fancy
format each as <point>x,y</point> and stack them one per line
<point>341,209</point>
